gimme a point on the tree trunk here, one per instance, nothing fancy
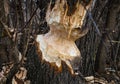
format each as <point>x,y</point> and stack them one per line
<point>100,51</point>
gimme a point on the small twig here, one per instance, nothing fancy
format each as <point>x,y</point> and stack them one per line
<point>30,18</point>
<point>93,4</point>
<point>114,41</point>
<point>26,47</point>
<point>6,29</point>
<point>94,23</point>
<point>91,17</point>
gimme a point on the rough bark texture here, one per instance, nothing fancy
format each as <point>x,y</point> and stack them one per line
<point>42,72</point>
<point>100,54</point>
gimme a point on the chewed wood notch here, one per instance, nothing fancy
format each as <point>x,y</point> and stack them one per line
<point>59,43</point>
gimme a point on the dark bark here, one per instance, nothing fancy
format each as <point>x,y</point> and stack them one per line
<point>100,54</point>
<point>42,72</point>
